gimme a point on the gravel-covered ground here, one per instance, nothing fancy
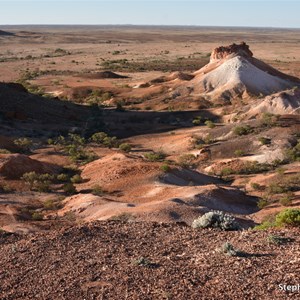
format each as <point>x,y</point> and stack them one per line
<point>103,260</point>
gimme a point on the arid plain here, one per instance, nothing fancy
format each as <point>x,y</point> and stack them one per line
<point>148,128</point>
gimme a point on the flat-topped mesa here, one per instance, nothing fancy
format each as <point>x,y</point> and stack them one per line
<point>222,52</point>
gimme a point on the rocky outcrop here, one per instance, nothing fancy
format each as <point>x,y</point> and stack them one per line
<point>222,52</point>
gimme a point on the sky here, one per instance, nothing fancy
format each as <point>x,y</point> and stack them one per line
<point>253,13</point>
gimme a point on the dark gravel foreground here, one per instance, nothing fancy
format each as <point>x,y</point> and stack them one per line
<point>99,261</point>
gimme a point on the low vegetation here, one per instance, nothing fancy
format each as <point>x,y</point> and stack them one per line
<point>216,219</point>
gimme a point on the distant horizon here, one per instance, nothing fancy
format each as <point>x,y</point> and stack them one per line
<point>223,13</point>
<point>146,25</point>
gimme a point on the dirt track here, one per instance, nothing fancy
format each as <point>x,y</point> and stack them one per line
<point>97,261</point>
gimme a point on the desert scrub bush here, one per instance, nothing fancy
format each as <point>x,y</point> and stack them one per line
<point>62,177</point>
<point>264,140</point>
<point>98,137</point>
<point>165,168</point>
<point>253,167</point>
<point>226,172</point>
<point>239,153</point>
<point>155,156</point>
<point>69,188</point>
<point>76,179</point>
<point>97,190</point>
<point>186,160</point>
<point>197,121</point>
<point>144,262</point>
<point>242,130</point>
<point>5,188</point>
<point>256,186</point>
<point>277,240</point>
<point>50,205</point>
<point>37,216</point>
<point>230,250</point>
<point>125,147</point>
<point>268,120</point>
<point>216,219</point>
<point>262,203</point>
<point>289,217</point>
<point>4,151</point>
<point>293,154</point>
<point>210,124</point>
<point>39,182</point>
<point>24,143</point>
<point>286,200</point>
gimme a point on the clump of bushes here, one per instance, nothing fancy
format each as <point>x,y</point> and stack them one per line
<point>186,160</point>
<point>165,168</point>
<point>76,179</point>
<point>264,140</point>
<point>210,124</point>
<point>39,182</point>
<point>216,219</point>
<point>242,130</point>
<point>239,153</point>
<point>24,143</point>
<point>103,139</point>
<point>293,154</point>
<point>155,156</point>
<point>74,146</point>
<point>289,217</point>
<point>269,120</point>
<point>69,188</point>
<point>37,216</point>
<point>97,190</point>
<point>125,147</point>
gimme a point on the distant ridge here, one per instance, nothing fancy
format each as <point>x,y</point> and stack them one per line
<point>5,33</point>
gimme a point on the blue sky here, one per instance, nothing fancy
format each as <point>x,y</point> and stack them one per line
<point>268,13</point>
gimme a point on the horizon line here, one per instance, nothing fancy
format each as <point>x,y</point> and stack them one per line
<point>157,25</point>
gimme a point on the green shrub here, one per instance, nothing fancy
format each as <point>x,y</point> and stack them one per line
<point>268,120</point>
<point>256,186</point>
<point>49,205</point>
<point>286,200</point>
<point>216,219</point>
<point>262,203</point>
<point>97,190</point>
<point>186,160</point>
<point>37,216</point>
<point>239,153</point>
<point>4,151</point>
<point>210,124</point>
<point>242,130</point>
<point>196,122</point>
<point>264,140</point>
<point>293,154</point>
<point>4,188</point>
<point>39,182</point>
<point>228,249</point>
<point>288,217</point>
<point>165,168</point>
<point>24,143</point>
<point>69,189</point>
<point>62,177</point>
<point>98,137</point>
<point>125,147</point>
<point>226,172</point>
<point>155,156</point>
<point>76,179</point>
